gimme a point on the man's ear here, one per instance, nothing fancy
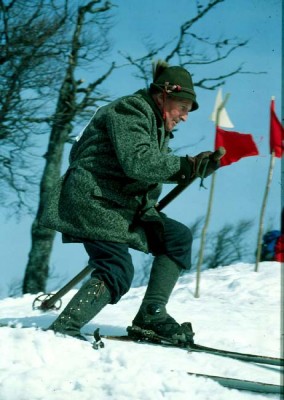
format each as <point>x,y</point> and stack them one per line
<point>159,99</point>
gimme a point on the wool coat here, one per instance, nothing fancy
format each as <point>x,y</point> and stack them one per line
<point>117,168</point>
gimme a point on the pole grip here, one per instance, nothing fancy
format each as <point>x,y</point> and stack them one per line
<point>216,156</point>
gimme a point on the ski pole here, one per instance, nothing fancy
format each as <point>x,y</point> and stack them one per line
<point>46,302</point>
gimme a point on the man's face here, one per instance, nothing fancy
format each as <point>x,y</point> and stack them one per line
<point>174,111</point>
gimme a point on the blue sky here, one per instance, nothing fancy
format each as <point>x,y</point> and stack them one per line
<point>239,187</point>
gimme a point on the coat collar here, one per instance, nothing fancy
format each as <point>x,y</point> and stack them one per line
<point>144,93</point>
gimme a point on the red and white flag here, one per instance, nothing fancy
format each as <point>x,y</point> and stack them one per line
<point>237,145</point>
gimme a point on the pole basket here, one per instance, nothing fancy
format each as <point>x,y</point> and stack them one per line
<point>52,301</point>
<point>41,302</point>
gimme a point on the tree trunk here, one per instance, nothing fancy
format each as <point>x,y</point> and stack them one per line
<point>42,238</point>
<point>37,269</point>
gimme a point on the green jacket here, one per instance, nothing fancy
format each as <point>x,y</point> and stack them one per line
<point>117,168</point>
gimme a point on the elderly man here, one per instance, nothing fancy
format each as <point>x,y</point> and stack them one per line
<point>106,200</point>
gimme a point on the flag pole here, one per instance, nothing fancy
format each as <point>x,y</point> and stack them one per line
<point>208,214</point>
<point>264,203</point>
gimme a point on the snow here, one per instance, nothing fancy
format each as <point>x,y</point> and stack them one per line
<point>238,309</point>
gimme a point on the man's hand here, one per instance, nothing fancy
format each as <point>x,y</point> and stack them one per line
<point>204,164</point>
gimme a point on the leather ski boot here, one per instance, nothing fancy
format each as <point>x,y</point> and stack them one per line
<point>152,315</point>
<point>85,305</point>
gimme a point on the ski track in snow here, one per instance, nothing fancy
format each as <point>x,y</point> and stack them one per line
<point>238,309</point>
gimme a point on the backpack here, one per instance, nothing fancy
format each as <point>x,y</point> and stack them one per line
<point>268,245</point>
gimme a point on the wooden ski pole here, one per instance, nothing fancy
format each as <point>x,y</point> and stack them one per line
<point>46,302</point>
<point>176,191</point>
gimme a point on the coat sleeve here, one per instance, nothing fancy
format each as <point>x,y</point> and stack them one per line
<point>133,131</point>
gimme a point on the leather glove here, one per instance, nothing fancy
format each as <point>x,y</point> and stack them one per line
<point>203,164</point>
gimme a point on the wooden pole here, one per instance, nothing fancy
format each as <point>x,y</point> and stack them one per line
<point>262,212</point>
<point>48,301</point>
<point>208,214</point>
<point>203,236</point>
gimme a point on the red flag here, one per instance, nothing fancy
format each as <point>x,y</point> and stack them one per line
<point>237,145</point>
<point>276,133</point>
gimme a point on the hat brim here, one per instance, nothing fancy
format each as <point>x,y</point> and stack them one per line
<point>187,96</point>
<point>182,94</point>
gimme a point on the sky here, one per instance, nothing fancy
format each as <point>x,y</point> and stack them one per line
<point>245,304</point>
<point>239,187</point>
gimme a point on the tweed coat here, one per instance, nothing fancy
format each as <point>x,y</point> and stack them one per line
<point>117,168</point>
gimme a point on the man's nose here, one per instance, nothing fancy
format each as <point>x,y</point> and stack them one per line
<point>184,116</point>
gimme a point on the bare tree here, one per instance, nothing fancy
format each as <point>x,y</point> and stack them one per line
<point>228,245</point>
<point>72,102</point>
<point>47,94</point>
<point>28,69</point>
<point>35,43</point>
<point>192,50</point>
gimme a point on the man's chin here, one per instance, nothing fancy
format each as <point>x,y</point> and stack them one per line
<point>171,126</point>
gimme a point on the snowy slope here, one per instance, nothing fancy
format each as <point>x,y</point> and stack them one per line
<point>238,309</point>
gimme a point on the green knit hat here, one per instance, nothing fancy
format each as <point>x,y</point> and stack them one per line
<point>175,81</point>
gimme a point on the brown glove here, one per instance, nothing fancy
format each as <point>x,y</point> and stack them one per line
<point>203,164</point>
